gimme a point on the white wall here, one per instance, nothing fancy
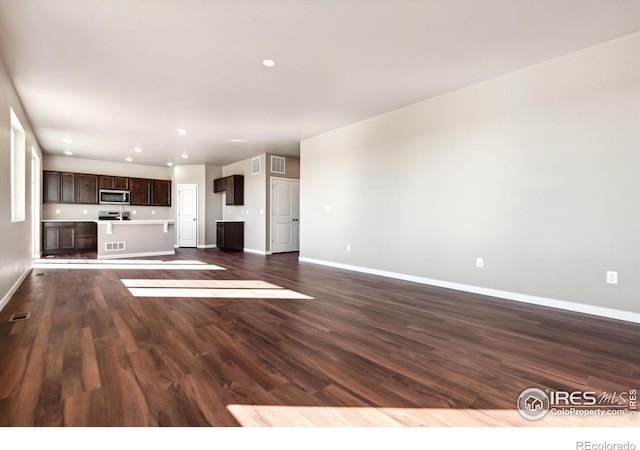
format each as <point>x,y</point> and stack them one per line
<point>16,249</point>
<point>537,171</point>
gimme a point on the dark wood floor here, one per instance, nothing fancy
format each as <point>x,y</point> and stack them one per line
<point>364,351</point>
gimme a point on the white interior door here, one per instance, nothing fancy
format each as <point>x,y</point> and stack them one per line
<point>285,215</point>
<point>187,215</point>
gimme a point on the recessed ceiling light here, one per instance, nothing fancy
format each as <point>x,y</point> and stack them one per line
<point>68,152</point>
<point>137,150</point>
<point>181,131</point>
<point>170,164</point>
<point>268,63</point>
<point>237,140</point>
<point>67,140</point>
<point>184,156</point>
<point>128,159</point>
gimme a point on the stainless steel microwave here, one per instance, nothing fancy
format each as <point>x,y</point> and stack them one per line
<point>111,197</point>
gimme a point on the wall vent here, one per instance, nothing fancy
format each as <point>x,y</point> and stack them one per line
<point>256,166</point>
<point>113,246</point>
<point>277,164</point>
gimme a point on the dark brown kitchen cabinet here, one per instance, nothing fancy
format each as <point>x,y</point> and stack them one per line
<point>234,188</point>
<point>86,236</point>
<point>87,189</point>
<point>219,185</point>
<point>121,183</point>
<point>230,236</point>
<point>52,187</point>
<point>59,187</point>
<point>66,237</point>
<point>140,191</point>
<point>58,237</point>
<point>68,187</point>
<point>233,185</point>
<point>111,182</point>
<point>161,192</point>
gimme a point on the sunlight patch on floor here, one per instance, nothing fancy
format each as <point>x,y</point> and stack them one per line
<point>332,416</point>
<point>220,284</point>
<point>217,293</point>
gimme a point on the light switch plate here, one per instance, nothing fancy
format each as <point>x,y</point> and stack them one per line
<point>612,277</point>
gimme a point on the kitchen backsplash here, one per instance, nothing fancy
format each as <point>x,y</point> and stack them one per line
<point>77,212</point>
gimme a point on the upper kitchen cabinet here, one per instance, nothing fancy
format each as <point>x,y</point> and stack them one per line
<point>111,182</point>
<point>234,188</point>
<point>87,189</point>
<point>219,185</point>
<point>140,191</point>
<point>59,187</point>
<point>161,192</point>
<point>52,187</point>
<point>233,185</point>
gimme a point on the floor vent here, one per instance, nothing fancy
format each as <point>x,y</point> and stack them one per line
<point>19,316</point>
<point>41,274</point>
<point>111,246</point>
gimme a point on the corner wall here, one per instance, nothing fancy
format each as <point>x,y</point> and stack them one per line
<point>252,213</point>
<point>536,171</point>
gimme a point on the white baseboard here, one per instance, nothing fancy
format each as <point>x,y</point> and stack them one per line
<point>258,252</point>
<point>14,288</point>
<point>136,255</point>
<point>207,246</point>
<point>601,311</point>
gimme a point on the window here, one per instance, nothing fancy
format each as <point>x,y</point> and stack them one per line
<point>18,177</point>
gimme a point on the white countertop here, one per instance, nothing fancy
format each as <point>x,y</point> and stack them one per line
<point>137,222</point>
<point>69,220</point>
<point>121,222</point>
<point>229,220</point>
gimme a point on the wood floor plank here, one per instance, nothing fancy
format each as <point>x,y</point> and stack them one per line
<point>361,350</point>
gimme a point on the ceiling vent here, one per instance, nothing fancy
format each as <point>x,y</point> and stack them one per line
<point>277,164</point>
<point>256,166</point>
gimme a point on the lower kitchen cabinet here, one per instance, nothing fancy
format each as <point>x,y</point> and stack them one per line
<point>230,236</point>
<point>86,236</point>
<point>68,237</point>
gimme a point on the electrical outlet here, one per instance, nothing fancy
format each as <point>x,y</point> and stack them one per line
<point>612,277</point>
<point>348,248</point>
<point>261,211</point>
<point>153,212</point>
<point>85,212</point>
<point>327,208</point>
<point>57,210</point>
<point>134,212</point>
<point>480,262</point>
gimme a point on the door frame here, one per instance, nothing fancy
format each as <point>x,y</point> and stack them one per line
<point>36,172</point>
<point>271,225</point>
<point>179,205</point>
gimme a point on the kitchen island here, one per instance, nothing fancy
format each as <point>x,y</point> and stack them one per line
<point>135,238</point>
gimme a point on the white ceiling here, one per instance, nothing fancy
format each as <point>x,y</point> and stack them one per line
<point>116,74</point>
